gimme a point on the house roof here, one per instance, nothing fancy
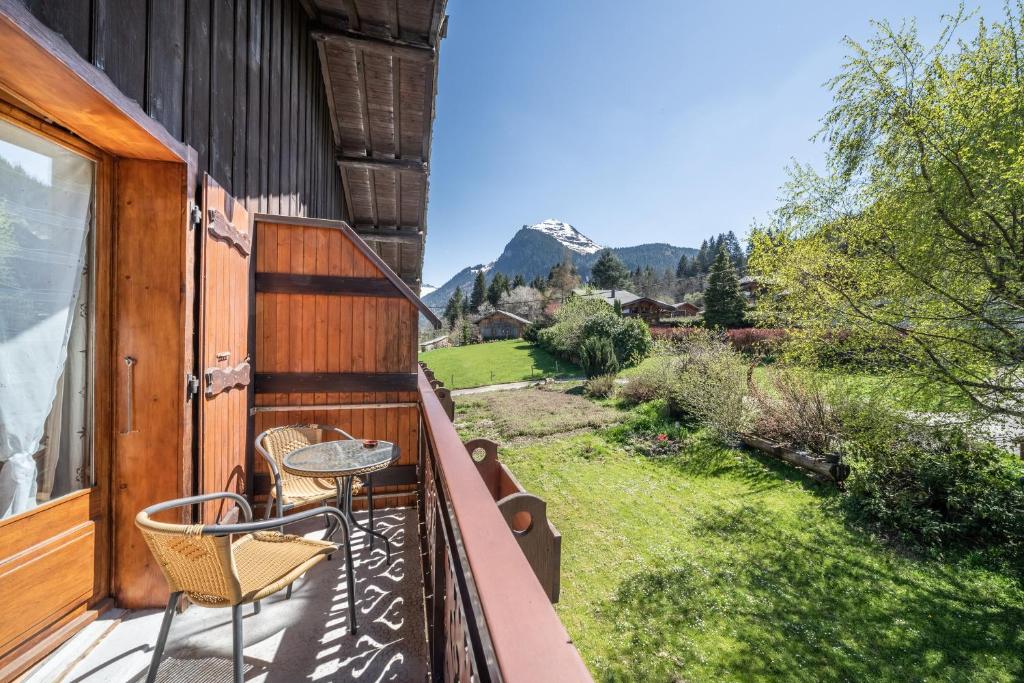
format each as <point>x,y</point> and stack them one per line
<point>379,60</point>
<point>513,316</point>
<point>624,296</point>
<point>647,299</point>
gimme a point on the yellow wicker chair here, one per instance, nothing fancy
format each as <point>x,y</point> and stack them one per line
<point>229,565</point>
<point>291,491</point>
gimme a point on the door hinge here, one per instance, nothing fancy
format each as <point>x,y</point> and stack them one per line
<point>195,217</point>
<point>191,386</point>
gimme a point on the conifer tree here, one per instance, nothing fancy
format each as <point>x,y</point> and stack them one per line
<point>498,288</point>
<point>681,268</point>
<point>479,294</point>
<point>518,281</point>
<point>724,305</point>
<point>453,310</point>
<point>608,272</point>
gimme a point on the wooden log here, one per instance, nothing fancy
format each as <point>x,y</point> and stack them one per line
<point>832,469</point>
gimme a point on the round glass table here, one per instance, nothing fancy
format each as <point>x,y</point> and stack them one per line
<point>341,461</point>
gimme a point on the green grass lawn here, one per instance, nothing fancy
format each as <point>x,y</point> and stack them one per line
<point>461,367</point>
<point>711,564</point>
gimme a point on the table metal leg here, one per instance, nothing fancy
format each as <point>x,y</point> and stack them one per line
<point>369,530</point>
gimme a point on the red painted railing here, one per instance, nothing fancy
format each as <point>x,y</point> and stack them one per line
<point>488,618</point>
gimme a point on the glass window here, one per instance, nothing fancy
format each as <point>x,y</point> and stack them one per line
<point>46,217</point>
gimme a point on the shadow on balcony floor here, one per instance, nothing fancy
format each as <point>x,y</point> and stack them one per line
<point>302,639</point>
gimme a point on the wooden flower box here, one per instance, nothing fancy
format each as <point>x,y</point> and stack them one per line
<point>525,513</point>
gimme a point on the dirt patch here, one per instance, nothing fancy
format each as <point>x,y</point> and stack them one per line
<point>530,413</point>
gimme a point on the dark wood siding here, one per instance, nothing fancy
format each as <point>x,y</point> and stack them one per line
<point>237,80</point>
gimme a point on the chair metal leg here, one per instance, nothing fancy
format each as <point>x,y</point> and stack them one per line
<point>350,576</point>
<point>256,607</point>
<point>161,641</point>
<point>237,643</point>
<point>288,593</point>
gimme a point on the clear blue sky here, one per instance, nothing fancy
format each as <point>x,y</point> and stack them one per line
<point>645,121</point>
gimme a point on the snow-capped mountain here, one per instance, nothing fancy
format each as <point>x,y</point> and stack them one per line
<point>571,238</point>
<point>534,249</point>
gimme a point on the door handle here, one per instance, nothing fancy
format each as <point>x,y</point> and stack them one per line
<point>129,397</point>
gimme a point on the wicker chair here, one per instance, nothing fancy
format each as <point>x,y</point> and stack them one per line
<point>291,491</point>
<point>229,565</point>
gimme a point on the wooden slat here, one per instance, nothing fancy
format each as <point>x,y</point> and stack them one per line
<point>290,283</point>
<point>311,382</point>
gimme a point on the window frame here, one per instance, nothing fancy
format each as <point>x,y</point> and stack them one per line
<point>99,410</point>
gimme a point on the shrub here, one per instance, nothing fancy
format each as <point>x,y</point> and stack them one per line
<point>648,384</point>
<point>933,487</point>
<point>632,340</point>
<point>797,410</point>
<point>601,386</point>
<point>531,332</point>
<point>580,319</point>
<point>744,339</point>
<point>756,339</point>
<point>708,382</point>
<point>597,357</point>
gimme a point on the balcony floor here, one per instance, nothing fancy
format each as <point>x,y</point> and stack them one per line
<point>302,639</point>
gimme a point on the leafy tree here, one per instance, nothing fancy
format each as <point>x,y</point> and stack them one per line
<point>563,277</point>
<point>723,303</point>
<point>608,272</point>
<point>479,291</point>
<point>912,240</point>
<point>453,310</point>
<point>523,301</point>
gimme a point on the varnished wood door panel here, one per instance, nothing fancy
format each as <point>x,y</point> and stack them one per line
<point>224,361</point>
<point>60,568</point>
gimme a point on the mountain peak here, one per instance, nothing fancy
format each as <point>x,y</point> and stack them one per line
<point>571,238</point>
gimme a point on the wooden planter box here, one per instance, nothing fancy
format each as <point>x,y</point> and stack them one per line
<point>828,467</point>
<point>525,513</point>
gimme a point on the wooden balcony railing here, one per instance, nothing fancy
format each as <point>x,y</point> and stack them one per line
<point>488,618</point>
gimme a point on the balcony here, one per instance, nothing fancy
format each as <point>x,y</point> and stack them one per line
<point>458,602</point>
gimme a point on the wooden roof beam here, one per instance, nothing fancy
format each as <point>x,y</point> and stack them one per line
<point>403,49</point>
<point>375,234</point>
<point>371,164</point>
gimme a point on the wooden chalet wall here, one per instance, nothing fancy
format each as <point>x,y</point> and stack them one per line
<point>336,348</point>
<point>237,80</point>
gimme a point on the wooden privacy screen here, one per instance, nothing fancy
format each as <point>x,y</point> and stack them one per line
<point>336,335</point>
<point>224,365</point>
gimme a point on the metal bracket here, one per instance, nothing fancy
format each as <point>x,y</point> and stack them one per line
<point>195,217</point>
<point>191,386</point>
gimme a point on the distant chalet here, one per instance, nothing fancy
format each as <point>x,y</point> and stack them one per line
<point>651,310</point>
<point>502,325</point>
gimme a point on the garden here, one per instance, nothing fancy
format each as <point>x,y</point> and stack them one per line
<point>687,558</point>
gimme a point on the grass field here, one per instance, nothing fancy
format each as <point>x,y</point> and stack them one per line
<point>462,367</point>
<point>710,564</point>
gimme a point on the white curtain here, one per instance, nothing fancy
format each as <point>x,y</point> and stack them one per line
<point>45,217</point>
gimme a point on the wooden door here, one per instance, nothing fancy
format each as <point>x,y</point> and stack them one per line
<point>224,361</point>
